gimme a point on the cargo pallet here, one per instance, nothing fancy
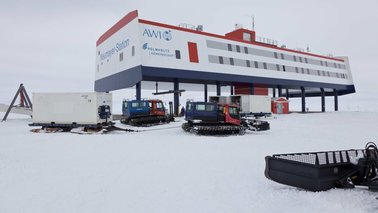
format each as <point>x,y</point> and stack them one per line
<point>320,171</point>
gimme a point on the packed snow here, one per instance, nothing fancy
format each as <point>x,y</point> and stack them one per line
<point>164,169</point>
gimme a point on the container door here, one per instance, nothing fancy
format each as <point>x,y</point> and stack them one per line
<point>280,108</point>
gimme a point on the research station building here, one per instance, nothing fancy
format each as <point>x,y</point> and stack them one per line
<point>136,50</point>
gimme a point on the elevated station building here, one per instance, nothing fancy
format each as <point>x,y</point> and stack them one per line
<point>136,50</point>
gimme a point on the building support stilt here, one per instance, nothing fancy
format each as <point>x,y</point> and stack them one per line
<point>322,93</point>
<point>138,91</point>
<point>205,94</point>
<point>336,95</point>
<point>287,94</point>
<point>218,89</point>
<point>176,100</point>
<point>252,88</point>
<point>303,95</point>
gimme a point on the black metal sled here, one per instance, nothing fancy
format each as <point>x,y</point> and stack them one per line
<point>320,171</point>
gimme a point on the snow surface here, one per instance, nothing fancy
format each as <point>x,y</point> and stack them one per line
<point>168,170</point>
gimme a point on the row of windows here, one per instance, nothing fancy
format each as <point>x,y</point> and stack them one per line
<point>271,66</point>
<point>120,57</point>
<point>132,53</point>
<point>269,54</point>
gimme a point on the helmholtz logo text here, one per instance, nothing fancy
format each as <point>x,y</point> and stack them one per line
<point>155,51</point>
<point>158,34</point>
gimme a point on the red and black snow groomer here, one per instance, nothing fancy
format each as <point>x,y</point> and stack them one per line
<point>210,118</point>
<point>321,171</point>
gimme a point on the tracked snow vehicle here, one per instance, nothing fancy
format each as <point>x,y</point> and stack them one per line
<point>144,113</point>
<point>321,171</point>
<point>214,119</point>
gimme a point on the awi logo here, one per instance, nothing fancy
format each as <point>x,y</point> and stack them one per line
<point>165,35</point>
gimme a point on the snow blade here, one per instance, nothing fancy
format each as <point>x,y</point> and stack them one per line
<point>320,171</point>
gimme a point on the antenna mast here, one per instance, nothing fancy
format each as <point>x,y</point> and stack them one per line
<point>253,23</point>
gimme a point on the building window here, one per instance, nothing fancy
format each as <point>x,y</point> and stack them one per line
<point>247,36</point>
<point>295,58</point>
<point>284,68</point>
<point>339,66</point>
<point>302,69</point>
<point>282,56</point>
<point>256,64</point>
<point>178,54</point>
<point>319,72</point>
<point>335,65</point>
<point>278,67</point>
<point>300,59</point>
<point>121,56</point>
<point>326,63</point>
<point>220,59</point>
<point>323,72</point>
<point>265,66</point>
<point>275,55</point>
<point>321,63</point>
<point>328,74</point>
<point>133,51</point>
<point>229,47</point>
<point>246,50</point>
<point>238,48</point>
<point>306,60</point>
<point>231,61</point>
<point>296,70</point>
<point>248,63</point>
<point>308,71</point>
<point>337,74</point>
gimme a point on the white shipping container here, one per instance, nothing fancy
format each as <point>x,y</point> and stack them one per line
<point>248,103</point>
<point>69,108</point>
<point>256,104</point>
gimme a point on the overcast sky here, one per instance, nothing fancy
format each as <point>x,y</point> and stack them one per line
<point>49,45</point>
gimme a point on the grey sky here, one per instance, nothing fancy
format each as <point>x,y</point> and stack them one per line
<point>50,45</point>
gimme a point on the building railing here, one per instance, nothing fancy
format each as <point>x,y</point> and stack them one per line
<point>191,27</point>
<point>266,41</point>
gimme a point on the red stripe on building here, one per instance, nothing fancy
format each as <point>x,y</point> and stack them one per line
<point>233,39</point>
<point>121,23</point>
<point>193,53</point>
<point>258,89</point>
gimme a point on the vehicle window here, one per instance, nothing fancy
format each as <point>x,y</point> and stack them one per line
<point>209,108</point>
<point>200,107</point>
<point>135,104</point>
<point>233,111</point>
<point>150,104</point>
<point>159,105</point>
